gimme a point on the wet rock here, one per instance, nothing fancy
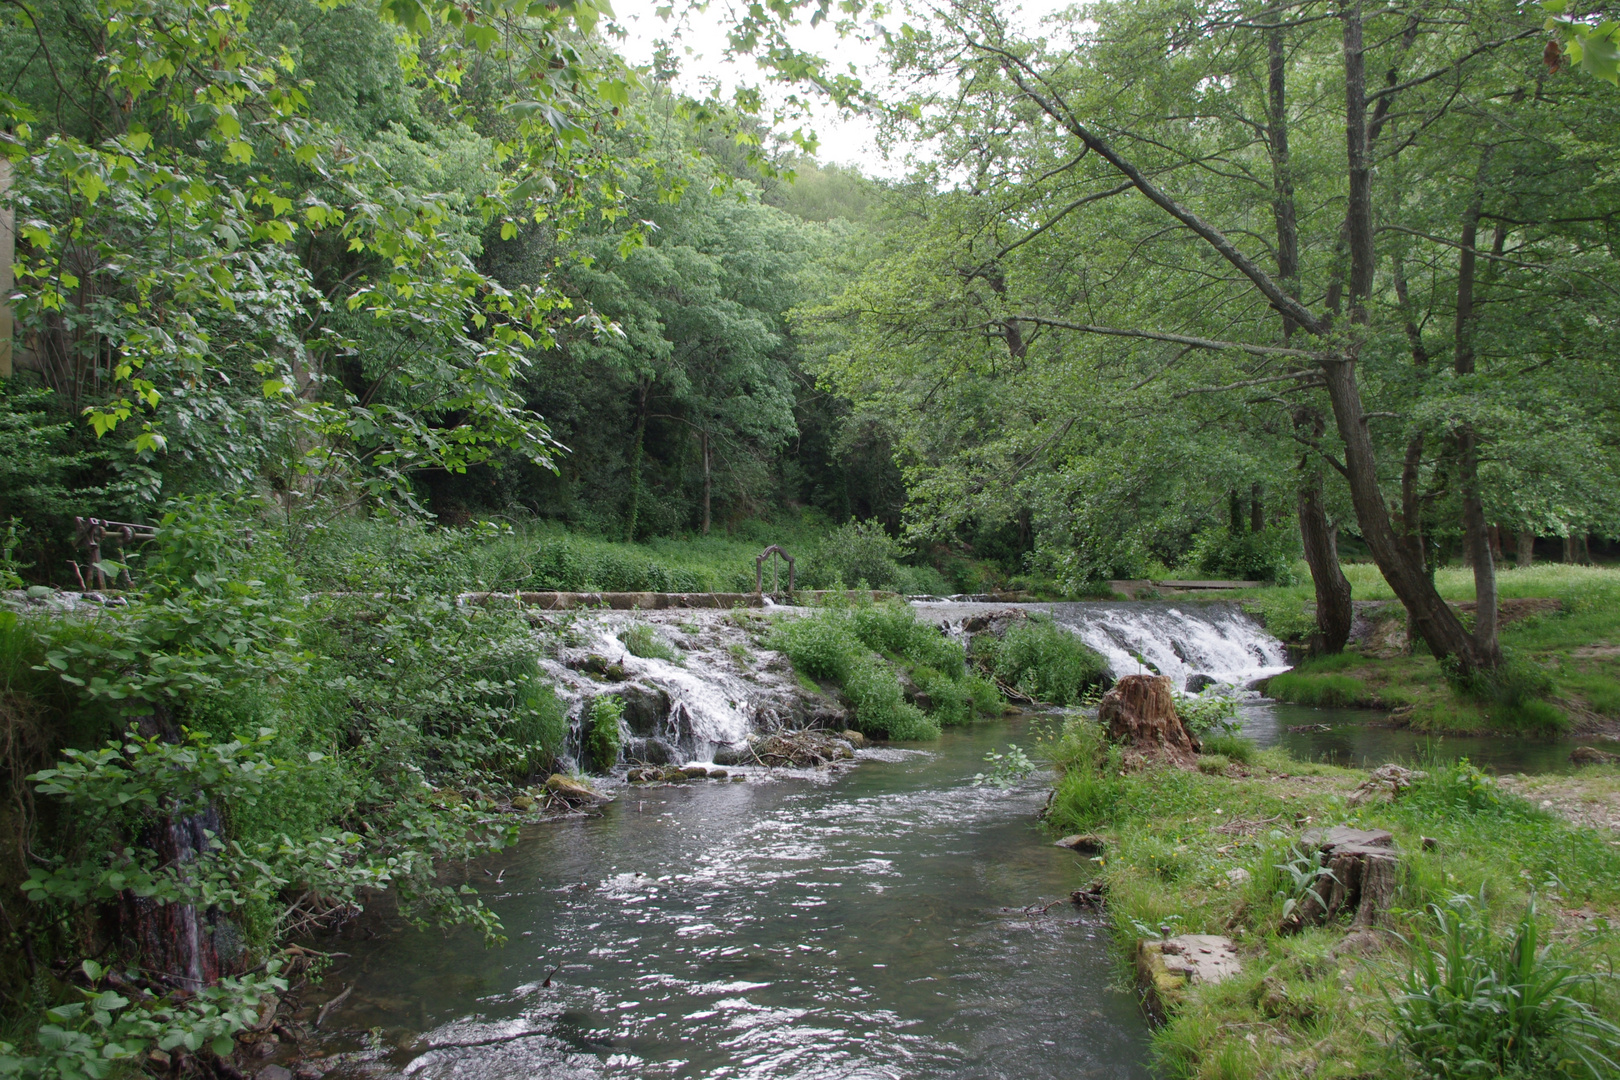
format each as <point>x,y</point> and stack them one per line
<point>649,751</point>
<point>275,1072</point>
<point>645,708</point>
<point>1591,755</point>
<point>522,803</point>
<point>718,774</point>
<point>855,738</point>
<point>1198,682</point>
<point>730,755</point>
<point>598,666</point>
<point>1140,713</point>
<point>695,772</point>
<point>1084,843</point>
<point>1308,729</point>
<point>1165,970</point>
<point>673,776</point>
<point>309,1071</point>
<point>573,792</point>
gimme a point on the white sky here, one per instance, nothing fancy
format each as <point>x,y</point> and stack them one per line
<point>699,41</point>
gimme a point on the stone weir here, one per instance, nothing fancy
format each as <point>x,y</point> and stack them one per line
<point>662,601</point>
<point>703,684</point>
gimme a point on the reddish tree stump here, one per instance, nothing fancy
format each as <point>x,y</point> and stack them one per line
<point>1140,712</point>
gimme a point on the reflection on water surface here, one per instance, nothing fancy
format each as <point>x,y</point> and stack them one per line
<point>869,925</point>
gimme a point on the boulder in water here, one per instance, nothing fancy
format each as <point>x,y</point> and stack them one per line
<point>1198,682</point>
<point>573,792</point>
<point>1591,755</point>
<point>1140,712</point>
<point>855,738</point>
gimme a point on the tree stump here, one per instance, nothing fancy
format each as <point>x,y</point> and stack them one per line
<point>1361,866</point>
<point>1140,712</point>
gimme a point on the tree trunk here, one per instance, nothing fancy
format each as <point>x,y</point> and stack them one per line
<point>1334,612</point>
<point>1569,548</point>
<point>633,510</point>
<point>1430,616</point>
<point>1525,548</point>
<point>1358,212</point>
<point>1476,531</point>
<point>1257,508</point>
<point>1234,512</point>
<point>708,480</point>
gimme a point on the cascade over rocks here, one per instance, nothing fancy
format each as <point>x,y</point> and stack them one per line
<point>1140,713</point>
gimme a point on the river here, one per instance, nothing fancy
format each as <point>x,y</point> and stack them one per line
<point>889,921</point>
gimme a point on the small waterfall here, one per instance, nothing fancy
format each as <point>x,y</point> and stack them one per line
<point>722,689</point>
<point>1179,640</point>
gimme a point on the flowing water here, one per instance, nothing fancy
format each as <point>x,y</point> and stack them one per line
<point>1179,639</point>
<point>883,922</point>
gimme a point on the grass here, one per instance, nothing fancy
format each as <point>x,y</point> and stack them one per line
<point>1302,1006</point>
<point>640,639</point>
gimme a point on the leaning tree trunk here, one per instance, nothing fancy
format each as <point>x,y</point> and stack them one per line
<point>1434,621</point>
<point>1334,611</point>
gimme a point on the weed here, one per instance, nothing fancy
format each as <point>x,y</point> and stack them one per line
<point>1213,764</point>
<point>1234,747</point>
<point>1214,715</point>
<point>1307,689</point>
<point>1476,1005</point>
<point>1005,769</point>
<point>602,738</point>
<point>643,641</point>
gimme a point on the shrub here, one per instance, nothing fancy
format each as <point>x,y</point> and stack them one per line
<point>1516,688</point>
<point>841,644</point>
<point>1047,662</point>
<point>1267,555</point>
<point>602,739</point>
<point>1212,715</point>
<point>1478,1005</point>
<point>856,554</point>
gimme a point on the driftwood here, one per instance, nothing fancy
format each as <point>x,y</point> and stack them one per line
<point>1360,865</point>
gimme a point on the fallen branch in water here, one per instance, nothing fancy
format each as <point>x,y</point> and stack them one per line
<point>333,1005</point>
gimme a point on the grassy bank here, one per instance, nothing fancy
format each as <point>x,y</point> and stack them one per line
<point>1564,656</point>
<point>1210,851</point>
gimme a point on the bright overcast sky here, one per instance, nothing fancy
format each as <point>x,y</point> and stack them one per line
<point>701,47</point>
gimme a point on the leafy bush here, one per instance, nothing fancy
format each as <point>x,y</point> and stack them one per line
<point>1047,662</point>
<point>1267,555</point>
<point>602,738</point>
<point>1208,715</point>
<point>1478,1005</point>
<point>843,645</point>
<point>861,554</point>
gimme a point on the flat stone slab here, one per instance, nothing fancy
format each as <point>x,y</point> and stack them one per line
<point>1166,969</point>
